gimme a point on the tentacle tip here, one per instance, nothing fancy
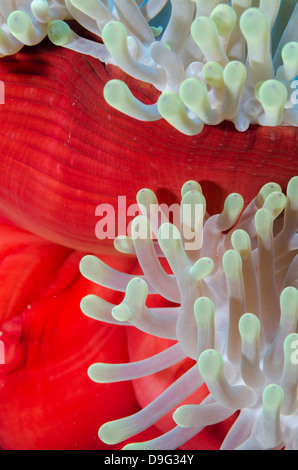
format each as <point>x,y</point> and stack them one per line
<point>108,434</point>
<point>59,33</point>
<point>180,417</point>
<point>211,365</point>
<point>87,265</point>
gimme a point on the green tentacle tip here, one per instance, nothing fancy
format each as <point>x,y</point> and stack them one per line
<point>117,94</point>
<point>275,203</point>
<point>225,18</point>
<point>212,73</point>
<point>233,206</point>
<point>241,242</point>
<point>136,292</point>
<point>194,90</point>
<point>272,399</point>
<point>192,197</point>
<point>211,365</point>
<point>111,432</point>
<point>59,33</point>
<point>263,223</point>
<point>203,30</point>
<point>234,74</point>
<point>114,35</point>
<point>202,27</point>
<point>266,190</point>
<point>202,268</point>
<point>39,7</point>
<point>249,327</point>
<point>204,310</point>
<point>272,94</point>
<point>232,264</point>
<point>254,24</point>
<point>170,105</point>
<point>19,23</point>
<point>190,185</point>
<point>292,192</point>
<point>100,373</point>
<point>122,312</point>
<point>289,54</point>
<point>289,301</point>
<point>133,302</point>
<point>191,86</point>
<point>169,238</point>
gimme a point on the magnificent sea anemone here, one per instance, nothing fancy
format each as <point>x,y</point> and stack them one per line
<point>222,317</point>
<point>237,319</point>
<point>212,61</point>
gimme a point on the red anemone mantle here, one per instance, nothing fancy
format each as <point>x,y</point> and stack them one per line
<point>63,152</point>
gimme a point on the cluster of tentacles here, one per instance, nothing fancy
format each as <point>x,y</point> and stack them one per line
<point>237,318</point>
<point>212,60</point>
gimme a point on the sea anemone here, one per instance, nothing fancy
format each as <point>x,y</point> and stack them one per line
<point>212,61</point>
<point>65,150</point>
<point>233,309</point>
